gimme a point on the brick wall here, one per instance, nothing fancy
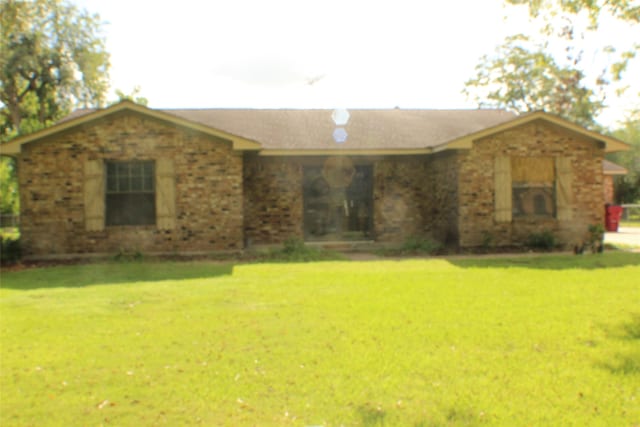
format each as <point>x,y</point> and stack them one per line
<point>401,197</point>
<point>272,199</point>
<point>208,183</point>
<point>443,175</point>
<point>274,203</point>
<point>476,186</point>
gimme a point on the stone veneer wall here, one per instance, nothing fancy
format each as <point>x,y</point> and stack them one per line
<point>476,185</point>
<point>402,197</point>
<point>272,199</point>
<point>208,178</point>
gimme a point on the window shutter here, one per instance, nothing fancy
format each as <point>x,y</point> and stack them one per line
<point>502,184</point>
<point>564,182</point>
<point>94,195</point>
<point>165,194</point>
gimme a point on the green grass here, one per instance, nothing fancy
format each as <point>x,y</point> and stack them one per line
<point>10,233</point>
<point>549,340</point>
<point>629,223</point>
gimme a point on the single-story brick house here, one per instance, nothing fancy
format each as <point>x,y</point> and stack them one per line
<point>176,181</point>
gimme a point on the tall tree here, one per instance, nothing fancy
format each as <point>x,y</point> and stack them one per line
<point>627,188</point>
<point>134,96</point>
<point>545,70</point>
<point>8,187</point>
<point>52,58</point>
<point>524,78</point>
<point>626,10</point>
<point>571,20</point>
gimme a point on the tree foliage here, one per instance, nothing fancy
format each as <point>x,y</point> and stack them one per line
<point>51,59</point>
<point>134,96</point>
<point>626,10</point>
<point>521,78</point>
<point>570,20</point>
<point>8,187</point>
<point>627,188</point>
<point>546,70</point>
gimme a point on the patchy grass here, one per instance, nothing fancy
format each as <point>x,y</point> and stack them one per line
<point>549,340</point>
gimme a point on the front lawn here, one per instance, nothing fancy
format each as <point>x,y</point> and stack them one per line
<point>550,340</point>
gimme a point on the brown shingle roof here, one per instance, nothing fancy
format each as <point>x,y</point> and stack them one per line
<point>610,168</point>
<point>295,132</point>
<point>292,131</point>
<point>367,129</point>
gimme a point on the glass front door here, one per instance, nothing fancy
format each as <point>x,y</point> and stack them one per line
<point>338,200</point>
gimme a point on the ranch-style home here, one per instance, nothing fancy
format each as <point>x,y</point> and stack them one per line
<point>184,181</point>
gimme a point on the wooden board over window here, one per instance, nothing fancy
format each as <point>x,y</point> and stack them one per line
<point>532,169</point>
<point>533,186</point>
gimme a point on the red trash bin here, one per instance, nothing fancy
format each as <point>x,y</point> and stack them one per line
<point>612,217</point>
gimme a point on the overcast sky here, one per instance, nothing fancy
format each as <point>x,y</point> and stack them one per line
<point>303,54</point>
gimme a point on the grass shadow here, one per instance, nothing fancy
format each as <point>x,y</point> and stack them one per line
<point>624,364</point>
<point>627,363</point>
<point>631,329</point>
<point>552,261</point>
<point>454,416</point>
<point>372,416</point>
<point>110,273</point>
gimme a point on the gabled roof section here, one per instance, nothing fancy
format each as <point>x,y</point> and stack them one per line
<point>82,117</point>
<point>465,142</point>
<point>290,132</point>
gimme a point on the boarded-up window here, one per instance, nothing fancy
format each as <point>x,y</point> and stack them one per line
<point>130,193</point>
<point>533,188</point>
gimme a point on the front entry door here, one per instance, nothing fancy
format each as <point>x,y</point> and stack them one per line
<point>338,201</point>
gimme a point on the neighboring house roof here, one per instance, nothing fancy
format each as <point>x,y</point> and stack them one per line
<point>309,132</point>
<point>610,168</point>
